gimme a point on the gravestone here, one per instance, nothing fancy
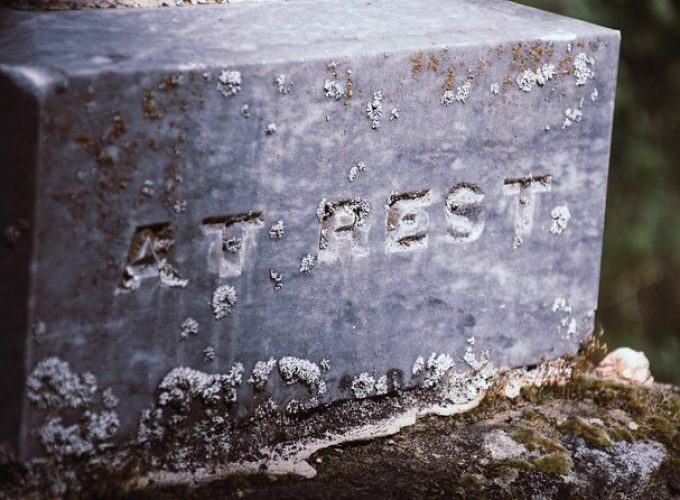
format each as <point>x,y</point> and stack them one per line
<point>291,203</point>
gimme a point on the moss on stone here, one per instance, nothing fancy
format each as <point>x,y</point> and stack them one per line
<point>592,434</point>
<point>620,433</point>
<point>534,416</point>
<point>535,441</point>
<point>554,463</point>
<point>471,483</point>
<point>660,428</point>
<point>516,463</point>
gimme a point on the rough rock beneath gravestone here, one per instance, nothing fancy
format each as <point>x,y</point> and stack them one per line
<point>586,439</point>
<point>589,439</point>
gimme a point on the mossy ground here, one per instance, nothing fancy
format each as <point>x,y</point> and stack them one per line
<point>571,435</point>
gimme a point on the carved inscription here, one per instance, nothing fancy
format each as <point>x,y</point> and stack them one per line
<point>525,189</point>
<point>232,241</point>
<point>344,227</point>
<point>464,213</point>
<point>149,257</point>
<point>343,232</point>
<point>407,221</point>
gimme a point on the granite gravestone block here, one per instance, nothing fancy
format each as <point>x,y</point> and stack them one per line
<point>316,200</point>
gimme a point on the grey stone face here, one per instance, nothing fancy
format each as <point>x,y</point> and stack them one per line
<point>303,196</point>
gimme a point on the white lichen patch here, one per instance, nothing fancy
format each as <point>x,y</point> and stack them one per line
<point>223,301</point>
<point>100,427</point>
<point>294,370</point>
<point>594,95</point>
<point>381,387</point>
<point>270,129</point>
<point>184,385</point>
<point>276,231</point>
<point>295,406</point>
<point>468,388</point>
<point>325,365</point>
<point>52,385</point>
<point>307,263</point>
<point>582,71</point>
<point>359,166</point>
<point>229,83</point>
<point>418,366</point>
<point>332,89</point>
<point>62,441</point>
<point>109,399</point>
<point>435,368</point>
<point>93,433</point>
<point>245,111</point>
<point>494,88</point>
<point>283,84</point>
<point>260,373</point>
<point>528,79</point>
<point>209,354</point>
<point>571,116</point>
<point>363,386</point>
<point>149,427</point>
<point>560,216</point>
<point>266,409</point>
<point>276,279</point>
<point>394,114</point>
<point>188,327</point>
<point>461,94</point>
<point>472,361</point>
<point>374,109</point>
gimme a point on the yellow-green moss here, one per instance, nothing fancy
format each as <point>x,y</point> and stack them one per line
<point>660,428</point>
<point>471,482</point>
<point>516,463</point>
<point>534,440</point>
<point>554,463</point>
<point>533,416</point>
<point>592,434</point>
<point>620,433</point>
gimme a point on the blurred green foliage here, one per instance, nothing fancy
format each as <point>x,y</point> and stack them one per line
<point>640,287</point>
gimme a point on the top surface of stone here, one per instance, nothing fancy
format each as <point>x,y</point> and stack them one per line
<point>128,40</point>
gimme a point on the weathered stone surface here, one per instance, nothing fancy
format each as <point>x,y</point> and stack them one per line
<point>586,439</point>
<point>439,174</point>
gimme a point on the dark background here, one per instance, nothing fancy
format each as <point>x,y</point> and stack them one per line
<point>640,287</point>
